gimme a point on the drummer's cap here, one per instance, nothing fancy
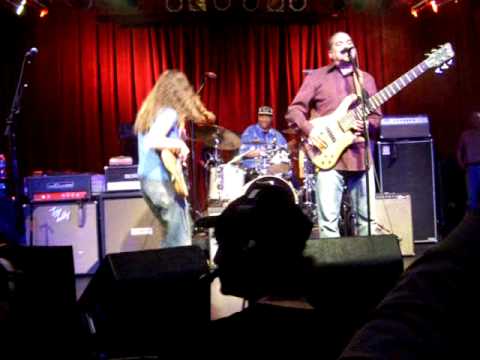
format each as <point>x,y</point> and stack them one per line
<point>265,110</point>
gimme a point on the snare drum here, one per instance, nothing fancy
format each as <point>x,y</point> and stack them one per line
<point>226,182</point>
<point>261,181</point>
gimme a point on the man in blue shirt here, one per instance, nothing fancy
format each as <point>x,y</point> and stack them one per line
<point>259,138</point>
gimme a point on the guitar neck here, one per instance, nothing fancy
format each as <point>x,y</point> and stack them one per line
<point>393,88</point>
<point>381,97</point>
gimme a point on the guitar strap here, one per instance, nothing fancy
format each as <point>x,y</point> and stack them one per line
<point>358,86</point>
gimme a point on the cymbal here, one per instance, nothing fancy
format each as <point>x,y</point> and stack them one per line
<point>215,135</point>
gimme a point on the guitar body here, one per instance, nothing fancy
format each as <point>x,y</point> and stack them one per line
<point>175,168</point>
<point>335,139</point>
<point>328,157</point>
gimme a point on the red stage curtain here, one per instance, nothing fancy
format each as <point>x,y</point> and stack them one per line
<point>91,76</point>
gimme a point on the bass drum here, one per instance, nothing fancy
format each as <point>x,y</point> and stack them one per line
<point>226,182</point>
<point>250,188</point>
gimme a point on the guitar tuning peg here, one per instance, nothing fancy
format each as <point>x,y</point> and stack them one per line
<point>438,71</point>
<point>444,67</point>
<point>450,62</point>
<point>427,54</point>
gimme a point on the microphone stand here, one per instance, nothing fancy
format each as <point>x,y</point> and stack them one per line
<point>364,114</point>
<point>193,157</point>
<point>10,134</point>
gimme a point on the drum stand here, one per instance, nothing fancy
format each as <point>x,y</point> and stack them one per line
<point>216,158</point>
<point>309,206</point>
<point>308,189</point>
<point>347,217</point>
<point>217,161</point>
<point>214,162</point>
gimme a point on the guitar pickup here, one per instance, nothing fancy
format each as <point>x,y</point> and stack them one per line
<point>330,134</point>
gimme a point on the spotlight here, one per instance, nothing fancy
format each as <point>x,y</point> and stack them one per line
<point>43,12</point>
<point>21,8</point>
<point>416,9</point>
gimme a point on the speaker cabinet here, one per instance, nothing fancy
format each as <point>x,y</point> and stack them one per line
<point>128,224</point>
<point>145,301</point>
<point>408,167</point>
<point>394,216</point>
<point>66,224</point>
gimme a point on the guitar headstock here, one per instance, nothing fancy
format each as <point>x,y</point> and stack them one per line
<point>441,58</point>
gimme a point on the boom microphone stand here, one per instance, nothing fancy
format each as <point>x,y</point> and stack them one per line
<point>194,200</point>
<point>10,134</point>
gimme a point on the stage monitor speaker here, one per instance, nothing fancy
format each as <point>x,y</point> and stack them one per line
<point>128,224</point>
<point>394,216</point>
<point>408,167</point>
<point>66,224</point>
<point>144,301</point>
<point>352,274</point>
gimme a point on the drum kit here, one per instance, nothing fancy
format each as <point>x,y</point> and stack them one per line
<point>229,180</point>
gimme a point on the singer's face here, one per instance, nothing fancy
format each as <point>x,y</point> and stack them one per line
<point>338,42</point>
<point>265,121</point>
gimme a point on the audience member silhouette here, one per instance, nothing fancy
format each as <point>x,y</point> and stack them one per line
<point>434,311</point>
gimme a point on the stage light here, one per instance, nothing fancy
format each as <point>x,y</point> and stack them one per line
<point>21,8</point>
<point>416,9</point>
<point>43,12</point>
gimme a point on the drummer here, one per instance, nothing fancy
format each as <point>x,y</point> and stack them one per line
<point>257,138</point>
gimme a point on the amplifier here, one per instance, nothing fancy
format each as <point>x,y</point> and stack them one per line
<point>394,216</point>
<point>66,224</point>
<point>122,178</point>
<point>405,127</point>
<point>128,224</point>
<point>58,187</point>
<point>408,166</point>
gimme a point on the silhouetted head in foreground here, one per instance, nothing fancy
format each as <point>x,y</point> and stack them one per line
<point>261,238</point>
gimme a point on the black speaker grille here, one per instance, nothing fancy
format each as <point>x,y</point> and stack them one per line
<point>407,167</point>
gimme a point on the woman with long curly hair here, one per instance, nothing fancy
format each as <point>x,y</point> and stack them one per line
<point>160,125</point>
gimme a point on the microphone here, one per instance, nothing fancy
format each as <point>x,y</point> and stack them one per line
<point>210,75</point>
<point>352,55</point>
<point>32,52</point>
<point>350,50</point>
